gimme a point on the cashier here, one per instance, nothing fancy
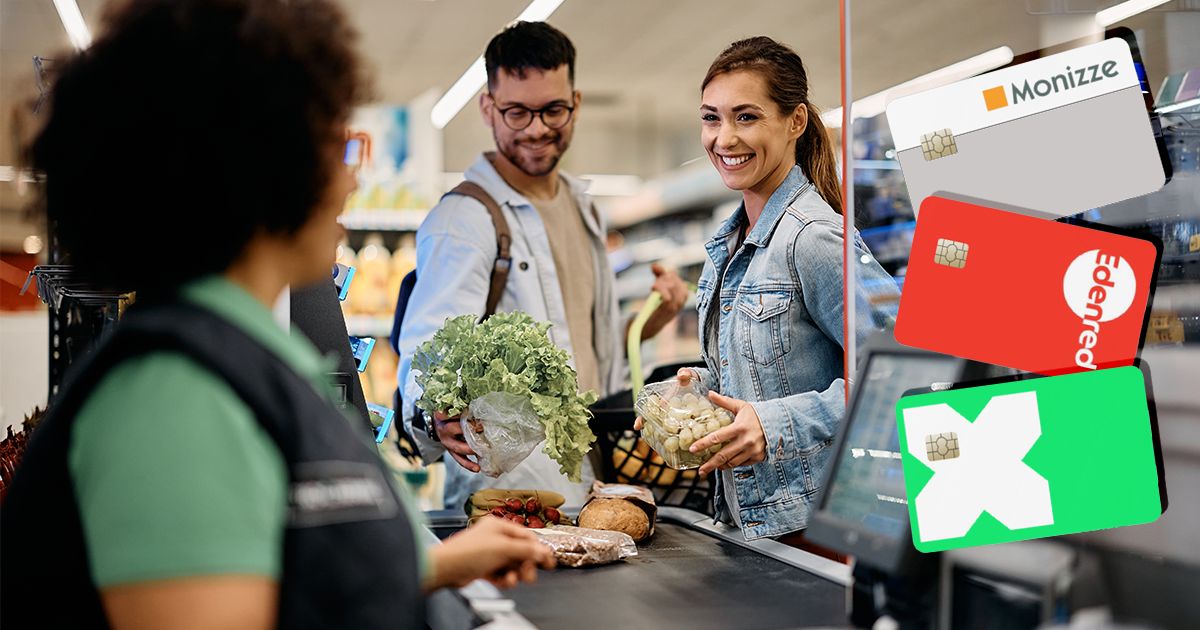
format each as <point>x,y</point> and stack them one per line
<point>771,294</point>
<point>196,472</point>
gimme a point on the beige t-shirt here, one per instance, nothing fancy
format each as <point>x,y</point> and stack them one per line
<point>572,248</point>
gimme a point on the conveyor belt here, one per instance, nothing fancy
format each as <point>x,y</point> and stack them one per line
<point>685,577</point>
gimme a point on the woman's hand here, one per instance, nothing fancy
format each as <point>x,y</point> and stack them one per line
<point>493,549</point>
<point>747,442</point>
<point>684,376</point>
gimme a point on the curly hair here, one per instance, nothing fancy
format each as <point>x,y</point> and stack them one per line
<point>189,127</point>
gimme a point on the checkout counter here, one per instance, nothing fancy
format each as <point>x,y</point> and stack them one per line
<point>691,574</point>
<point>694,574</point>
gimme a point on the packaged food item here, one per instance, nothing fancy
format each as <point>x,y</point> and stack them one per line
<point>532,508</point>
<point>620,508</point>
<point>404,260</point>
<point>361,349</point>
<point>581,547</point>
<point>381,420</point>
<point>369,294</point>
<point>675,416</point>
<point>502,429</point>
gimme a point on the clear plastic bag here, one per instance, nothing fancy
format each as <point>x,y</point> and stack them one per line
<point>674,416</point>
<point>579,546</point>
<point>503,430</point>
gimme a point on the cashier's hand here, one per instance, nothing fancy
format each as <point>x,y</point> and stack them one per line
<point>450,434</point>
<point>747,442</point>
<point>493,549</point>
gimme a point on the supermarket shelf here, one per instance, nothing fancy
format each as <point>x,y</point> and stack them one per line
<point>369,325</point>
<point>395,220</point>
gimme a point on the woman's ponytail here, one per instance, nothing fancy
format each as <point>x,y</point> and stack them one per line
<point>814,154</point>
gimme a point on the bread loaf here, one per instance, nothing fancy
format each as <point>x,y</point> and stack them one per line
<point>617,515</point>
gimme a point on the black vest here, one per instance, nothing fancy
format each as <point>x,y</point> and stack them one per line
<point>349,557</point>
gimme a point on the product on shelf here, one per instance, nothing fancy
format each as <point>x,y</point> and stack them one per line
<point>369,295</point>
<point>404,260</point>
<point>346,255</point>
<point>379,381</point>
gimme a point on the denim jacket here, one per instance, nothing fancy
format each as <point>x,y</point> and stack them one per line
<point>771,334</point>
<point>456,246</point>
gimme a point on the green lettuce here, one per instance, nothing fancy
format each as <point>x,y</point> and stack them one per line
<point>511,353</point>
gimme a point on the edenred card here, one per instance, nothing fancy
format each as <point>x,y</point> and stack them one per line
<point>1022,292</point>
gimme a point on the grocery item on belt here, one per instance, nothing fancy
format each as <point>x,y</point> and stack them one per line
<point>531,508</point>
<point>675,416</point>
<point>581,547</point>
<point>620,508</point>
<point>510,355</point>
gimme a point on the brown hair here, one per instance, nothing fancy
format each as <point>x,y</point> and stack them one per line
<point>787,85</point>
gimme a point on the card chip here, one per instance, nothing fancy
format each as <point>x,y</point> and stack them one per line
<point>951,253</point>
<point>938,144</point>
<point>941,446</point>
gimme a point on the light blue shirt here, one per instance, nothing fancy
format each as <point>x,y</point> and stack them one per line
<point>456,247</point>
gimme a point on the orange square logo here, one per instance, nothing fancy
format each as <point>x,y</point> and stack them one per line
<point>995,98</point>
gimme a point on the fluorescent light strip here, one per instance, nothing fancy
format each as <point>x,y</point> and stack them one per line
<point>457,96</point>
<point>72,20</point>
<point>875,104</point>
<point>1174,107</point>
<point>1125,10</point>
<point>473,79</point>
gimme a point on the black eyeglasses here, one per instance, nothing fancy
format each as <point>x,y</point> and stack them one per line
<point>554,116</point>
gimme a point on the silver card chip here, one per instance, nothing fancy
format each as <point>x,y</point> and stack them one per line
<point>939,446</point>
<point>951,253</point>
<point>938,144</point>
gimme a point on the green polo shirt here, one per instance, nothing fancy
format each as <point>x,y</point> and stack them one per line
<point>173,474</point>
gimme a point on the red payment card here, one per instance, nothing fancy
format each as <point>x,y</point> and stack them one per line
<point>1023,292</point>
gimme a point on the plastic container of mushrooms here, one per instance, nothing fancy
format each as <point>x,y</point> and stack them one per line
<point>674,417</point>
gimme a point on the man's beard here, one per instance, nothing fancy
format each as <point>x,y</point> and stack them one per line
<point>532,169</point>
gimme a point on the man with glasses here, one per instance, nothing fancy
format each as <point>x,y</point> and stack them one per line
<point>558,270</point>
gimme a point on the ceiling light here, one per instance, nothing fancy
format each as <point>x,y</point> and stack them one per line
<point>875,104</point>
<point>1125,10</point>
<point>72,20</point>
<point>473,79</point>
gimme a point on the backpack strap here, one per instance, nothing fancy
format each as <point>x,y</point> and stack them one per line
<point>503,263</point>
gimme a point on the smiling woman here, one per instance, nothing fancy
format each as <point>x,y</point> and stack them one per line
<point>770,297</point>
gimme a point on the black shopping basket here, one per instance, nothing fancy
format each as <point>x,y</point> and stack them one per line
<point>626,458</point>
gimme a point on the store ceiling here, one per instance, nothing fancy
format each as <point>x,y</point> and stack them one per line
<point>639,64</point>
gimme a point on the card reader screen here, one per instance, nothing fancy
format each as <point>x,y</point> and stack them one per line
<point>868,486</point>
